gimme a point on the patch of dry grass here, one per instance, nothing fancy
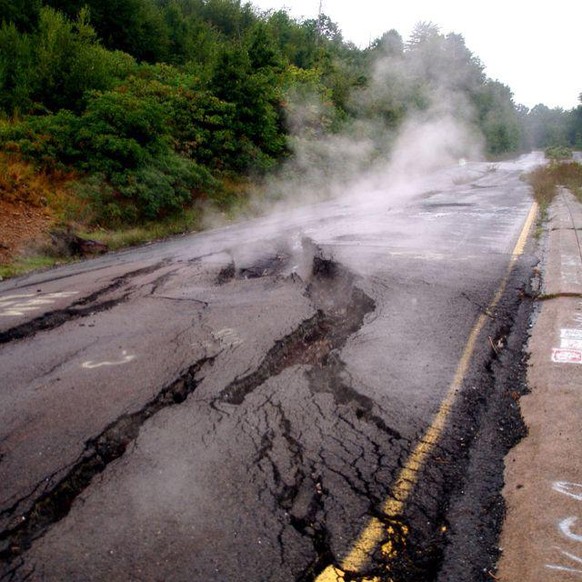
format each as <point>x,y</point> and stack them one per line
<point>546,179</point>
<point>187,222</point>
<point>21,182</point>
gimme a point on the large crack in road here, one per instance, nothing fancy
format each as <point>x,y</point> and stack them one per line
<point>449,529</point>
<point>341,309</point>
<point>99,452</point>
<point>89,305</point>
<point>432,534</point>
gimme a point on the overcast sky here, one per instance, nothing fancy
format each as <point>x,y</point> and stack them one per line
<point>533,47</point>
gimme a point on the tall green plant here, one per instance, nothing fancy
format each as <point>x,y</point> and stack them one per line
<point>17,75</point>
<point>70,61</point>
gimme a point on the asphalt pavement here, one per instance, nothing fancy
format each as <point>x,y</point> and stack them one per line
<point>326,393</point>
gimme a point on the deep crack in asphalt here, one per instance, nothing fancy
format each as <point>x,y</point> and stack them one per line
<point>429,541</point>
<point>99,452</point>
<point>341,309</point>
<point>455,513</point>
<point>83,307</point>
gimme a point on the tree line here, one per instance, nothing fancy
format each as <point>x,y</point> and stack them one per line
<point>156,104</point>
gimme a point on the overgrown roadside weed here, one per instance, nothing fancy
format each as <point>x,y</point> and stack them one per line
<point>546,181</point>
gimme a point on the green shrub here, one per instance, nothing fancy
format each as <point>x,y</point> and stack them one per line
<point>558,153</point>
<point>54,67</point>
<point>123,145</point>
<point>50,140</point>
<point>198,123</point>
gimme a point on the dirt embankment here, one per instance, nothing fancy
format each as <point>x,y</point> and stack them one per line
<point>23,226</point>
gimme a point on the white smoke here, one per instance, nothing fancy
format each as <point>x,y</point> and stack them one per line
<point>409,127</point>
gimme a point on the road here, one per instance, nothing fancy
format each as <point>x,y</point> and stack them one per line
<point>326,393</point>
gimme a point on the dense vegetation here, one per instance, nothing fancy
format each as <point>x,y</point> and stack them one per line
<point>153,106</point>
<point>546,181</point>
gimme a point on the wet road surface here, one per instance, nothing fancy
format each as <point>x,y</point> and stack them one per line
<point>249,403</point>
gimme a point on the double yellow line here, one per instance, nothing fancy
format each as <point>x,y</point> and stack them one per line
<point>376,531</point>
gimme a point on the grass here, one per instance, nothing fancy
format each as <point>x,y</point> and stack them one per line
<point>45,258</point>
<point>545,181</point>
<point>187,221</point>
<point>24,265</point>
<point>21,181</point>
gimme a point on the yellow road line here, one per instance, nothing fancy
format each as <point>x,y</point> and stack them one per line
<point>375,530</point>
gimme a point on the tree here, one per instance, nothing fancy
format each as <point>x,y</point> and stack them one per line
<point>136,27</point>
<point>256,95</point>
<point>263,53</point>
<point>17,78</point>
<point>390,44</point>
<point>546,127</point>
<point>498,118</point>
<point>444,62</point>
<point>575,126</point>
<point>68,61</point>
<point>230,17</point>
<point>298,42</point>
<point>22,13</point>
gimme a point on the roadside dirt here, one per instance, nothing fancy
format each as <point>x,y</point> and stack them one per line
<point>22,226</point>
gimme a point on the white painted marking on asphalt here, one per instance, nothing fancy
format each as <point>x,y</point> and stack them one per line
<point>573,490</point>
<point>571,334</point>
<point>571,344</point>
<point>228,336</point>
<point>563,569</point>
<point>566,526</point>
<point>571,556</point>
<point>18,305</point>
<point>7,299</point>
<point>90,364</point>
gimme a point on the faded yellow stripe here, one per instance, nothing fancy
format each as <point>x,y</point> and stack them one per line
<point>375,531</point>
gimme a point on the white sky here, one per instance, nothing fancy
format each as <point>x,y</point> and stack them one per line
<point>533,47</point>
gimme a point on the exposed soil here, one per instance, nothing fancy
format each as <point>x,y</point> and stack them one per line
<point>22,226</point>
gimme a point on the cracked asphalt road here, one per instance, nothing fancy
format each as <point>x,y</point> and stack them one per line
<point>238,404</point>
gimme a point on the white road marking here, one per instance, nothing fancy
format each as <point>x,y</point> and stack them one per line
<point>571,334</point>
<point>566,528</point>
<point>566,356</point>
<point>18,305</point>
<point>228,337</point>
<point>573,490</point>
<point>91,365</point>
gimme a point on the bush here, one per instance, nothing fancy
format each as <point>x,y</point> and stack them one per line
<point>163,187</point>
<point>199,124</point>
<point>123,145</point>
<point>55,66</point>
<point>49,141</point>
<point>558,153</point>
